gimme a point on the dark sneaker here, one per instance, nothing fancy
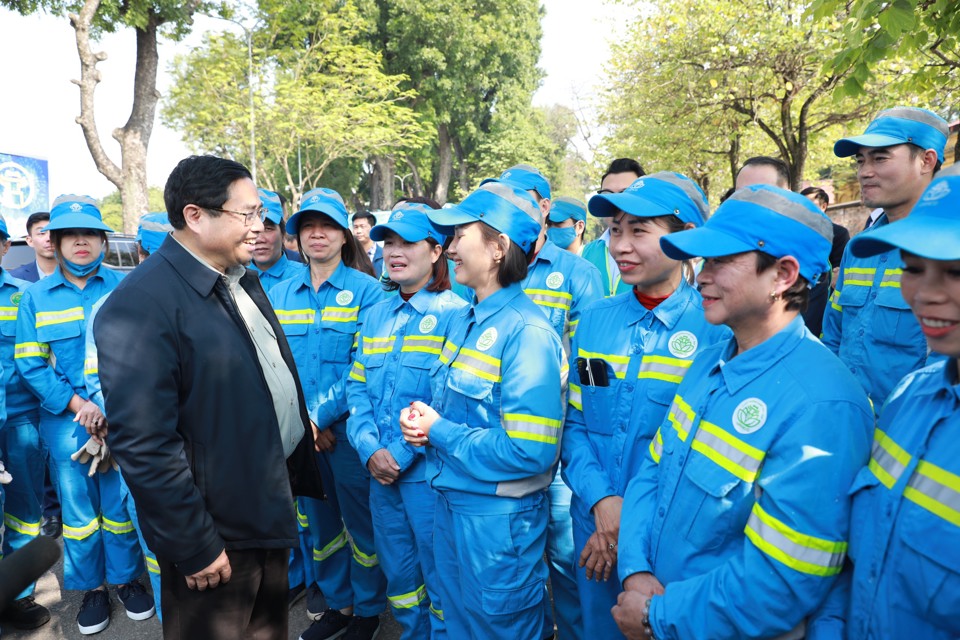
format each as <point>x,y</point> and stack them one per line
<point>136,600</point>
<point>295,593</point>
<point>25,613</point>
<point>331,624</point>
<point>52,527</point>
<point>361,628</point>
<point>316,603</point>
<point>94,613</point>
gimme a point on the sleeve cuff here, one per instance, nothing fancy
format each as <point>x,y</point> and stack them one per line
<point>402,455</point>
<point>441,432</point>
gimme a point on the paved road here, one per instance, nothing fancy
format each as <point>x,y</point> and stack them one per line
<point>64,605</point>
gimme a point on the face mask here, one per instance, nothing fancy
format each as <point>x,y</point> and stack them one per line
<point>563,237</point>
<point>82,270</point>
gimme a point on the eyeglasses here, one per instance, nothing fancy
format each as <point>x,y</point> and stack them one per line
<point>248,216</point>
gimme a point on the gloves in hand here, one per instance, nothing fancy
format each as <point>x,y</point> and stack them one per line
<point>95,454</point>
<point>5,477</point>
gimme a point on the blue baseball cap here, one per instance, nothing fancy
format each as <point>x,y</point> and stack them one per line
<point>4,234</point>
<point>565,208</point>
<point>508,209</point>
<point>525,177</point>
<point>761,218</point>
<point>321,200</point>
<point>76,212</point>
<point>409,221</point>
<point>899,125</point>
<point>932,230</point>
<point>664,193</point>
<point>153,230</point>
<point>272,205</point>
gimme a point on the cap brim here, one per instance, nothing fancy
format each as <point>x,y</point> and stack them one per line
<point>446,219</point>
<point>77,221</point>
<point>408,232</point>
<point>273,217</point>
<point>847,147</point>
<point>336,216</point>
<point>559,216</point>
<point>608,204</point>
<point>926,236</point>
<point>702,242</point>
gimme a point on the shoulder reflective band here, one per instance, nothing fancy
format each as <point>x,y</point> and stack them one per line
<point>574,398</point>
<point>656,447</point>
<point>936,490</point>
<point>887,460</point>
<point>528,427</point>
<point>728,451</point>
<point>681,416</point>
<point>548,298</point>
<point>800,552</point>
<point>31,350</point>
<point>479,364</point>
<point>357,372</point>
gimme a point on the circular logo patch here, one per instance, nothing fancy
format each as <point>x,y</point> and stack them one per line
<point>397,215</point>
<point>427,324</point>
<point>486,339</point>
<point>554,280</point>
<point>344,297</point>
<point>750,415</point>
<point>15,299</point>
<point>682,344</point>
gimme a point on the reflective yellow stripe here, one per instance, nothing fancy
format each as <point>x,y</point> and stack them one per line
<point>301,519</point>
<point>891,278</point>
<point>727,451</point>
<point>618,363</point>
<point>363,558</point>
<point>91,366</point>
<point>377,345</point>
<point>422,344</point>
<point>319,555</point>
<point>437,612</point>
<point>117,528</point>
<point>936,490</point>
<point>339,314</point>
<point>656,447</point>
<point>409,600</point>
<point>528,427</point>
<point>681,416</point>
<point>31,529</point>
<point>80,533</point>
<point>859,276</point>
<point>296,316</point>
<point>887,460</point>
<point>448,350</point>
<point>803,553</point>
<point>549,298</point>
<point>31,350</point>
<point>47,318</point>
<point>573,327</point>
<point>152,565</point>
<point>479,364</point>
<point>574,397</point>
<point>664,368</point>
<point>834,301</point>
<point>357,372</point>
<point>8,313</point>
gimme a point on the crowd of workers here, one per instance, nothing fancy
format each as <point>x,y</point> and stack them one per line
<point>698,425</point>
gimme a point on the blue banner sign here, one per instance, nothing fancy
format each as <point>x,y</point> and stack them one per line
<point>24,188</point>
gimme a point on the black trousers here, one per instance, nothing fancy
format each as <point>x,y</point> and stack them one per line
<point>252,606</point>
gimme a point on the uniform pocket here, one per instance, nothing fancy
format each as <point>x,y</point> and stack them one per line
<point>853,296</point>
<point>893,322</point>
<point>336,341</point>
<point>721,509</point>
<point>469,385</point>
<point>929,567</point>
<point>599,405</point>
<point>498,602</point>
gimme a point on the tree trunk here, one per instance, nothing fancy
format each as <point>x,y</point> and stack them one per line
<point>134,137</point>
<point>445,170</point>
<point>381,182</point>
<point>417,190</point>
<point>464,178</point>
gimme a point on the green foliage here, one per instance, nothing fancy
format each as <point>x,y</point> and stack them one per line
<point>112,209</point>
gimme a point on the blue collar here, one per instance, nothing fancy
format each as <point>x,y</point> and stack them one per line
<point>276,270</point>
<point>496,302</point>
<point>548,253</point>
<point>667,312</point>
<point>337,279</point>
<point>421,301</point>
<point>739,371</point>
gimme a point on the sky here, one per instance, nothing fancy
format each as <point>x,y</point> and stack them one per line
<point>40,103</point>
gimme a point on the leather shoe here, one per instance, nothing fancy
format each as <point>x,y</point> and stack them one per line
<point>52,527</point>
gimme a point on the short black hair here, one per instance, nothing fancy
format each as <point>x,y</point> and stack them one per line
<point>365,215</point>
<point>430,202</point>
<point>36,217</point>
<point>203,181</point>
<point>783,171</point>
<point>624,165</point>
<point>819,195</point>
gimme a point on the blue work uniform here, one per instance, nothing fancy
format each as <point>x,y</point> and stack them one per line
<point>99,539</point>
<point>645,354</point>
<point>562,285</point>
<point>905,531</point>
<point>741,509</point>
<point>321,327</point>
<point>492,455</point>
<point>869,325</point>
<point>282,269</point>
<point>399,342</point>
<point>19,435</point>
<point>91,378</point>
<point>597,253</point>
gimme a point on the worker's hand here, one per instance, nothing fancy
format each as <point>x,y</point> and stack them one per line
<point>629,614</point>
<point>416,422</point>
<point>597,558</point>
<point>325,439</point>
<point>643,582</point>
<point>606,515</point>
<point>5,477</point>
<point>91,418</point>
<point>217,573</point>
<point>90,454</point>
<point>383,467</point>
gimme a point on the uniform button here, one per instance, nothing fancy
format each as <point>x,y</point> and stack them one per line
<point>860,332</point>
<point>853,369</point>
<point>889,510</point>
<point>873,296</point>
<point>660,512</point>
<point>682,458</point>
<point>314,356</point>
<point>628,387</point>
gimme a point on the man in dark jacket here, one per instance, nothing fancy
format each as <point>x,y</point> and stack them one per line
<point>207,417</point>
